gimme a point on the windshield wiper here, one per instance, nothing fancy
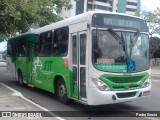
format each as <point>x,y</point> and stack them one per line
<point>117,37</point>
<point>134,40</point>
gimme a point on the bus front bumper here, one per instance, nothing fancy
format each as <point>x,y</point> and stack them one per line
<point>97,97</point>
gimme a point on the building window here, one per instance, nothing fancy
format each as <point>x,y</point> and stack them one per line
<point>132,3</point>
<point>110,2</point>
<point>103,7</point>
<point>131,9</point>
<point>89,6</point>
<point>79,6</point>
<point>105,1</point>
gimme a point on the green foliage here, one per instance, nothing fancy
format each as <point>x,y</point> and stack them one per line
<point>18,15</point>
<point>153,20</point>
<point>155,47</point>
<point>137,13</point>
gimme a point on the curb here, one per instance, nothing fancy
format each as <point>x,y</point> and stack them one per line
<point>155,80</point>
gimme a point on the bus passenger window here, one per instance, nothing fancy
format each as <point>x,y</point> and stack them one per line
<point>21,47</point>
<point>61,41</point>
<point>36,49</point>
<point>45,42</point>
<point>9,49</point>
<point>55,50</point>
<point>83,49</point>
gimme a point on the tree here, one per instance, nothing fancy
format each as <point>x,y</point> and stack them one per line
<point>155,47</point>
<point>157,12</point>
<point>153,21</point>
<point>19,15</point>
<point>137,13</point>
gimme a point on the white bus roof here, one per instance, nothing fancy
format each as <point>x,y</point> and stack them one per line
<point>72,20</point>
<point>79,18</point>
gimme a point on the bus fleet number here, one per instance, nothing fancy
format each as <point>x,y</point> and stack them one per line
<point>48,65</point>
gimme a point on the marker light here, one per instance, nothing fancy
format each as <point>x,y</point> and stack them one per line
<point>66,62</point>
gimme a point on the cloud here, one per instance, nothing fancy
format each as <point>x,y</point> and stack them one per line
<point>150,5</point>
<point>156,35</point>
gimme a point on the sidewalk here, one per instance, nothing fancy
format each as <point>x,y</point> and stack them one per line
<point>155,73</point>
<point>14,105</point>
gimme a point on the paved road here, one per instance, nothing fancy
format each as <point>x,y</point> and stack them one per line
<point>48,101</point>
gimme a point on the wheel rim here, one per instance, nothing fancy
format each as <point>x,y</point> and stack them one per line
<point>62,91</point>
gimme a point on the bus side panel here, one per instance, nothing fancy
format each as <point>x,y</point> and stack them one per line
<point>29,59</point>
<point>24,59</point>
<point>21,65</point>
<point>45,69</point>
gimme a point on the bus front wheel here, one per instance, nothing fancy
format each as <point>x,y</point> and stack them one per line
<point>62,91</point>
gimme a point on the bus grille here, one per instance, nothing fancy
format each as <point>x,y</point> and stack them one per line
<point>124,86</point>
<point>126,95</point>
<point>124,82</point>
<point>128,79</point>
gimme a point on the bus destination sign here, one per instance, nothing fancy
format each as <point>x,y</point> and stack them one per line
<point>119,22</point>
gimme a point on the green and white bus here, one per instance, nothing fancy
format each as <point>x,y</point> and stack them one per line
<point>94,58</point>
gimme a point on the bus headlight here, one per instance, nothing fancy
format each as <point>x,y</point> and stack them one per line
<point>100,84</point>
<point>146,83</point>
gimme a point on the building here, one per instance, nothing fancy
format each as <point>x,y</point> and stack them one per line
<point>80,6</point>
<point>105,5</point>
<point>128,6</point>
<point>121,6</point>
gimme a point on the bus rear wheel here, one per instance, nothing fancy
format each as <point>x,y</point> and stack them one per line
<point>62,91</point>
<point>20,79</point>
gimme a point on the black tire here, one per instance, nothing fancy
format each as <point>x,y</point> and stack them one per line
<point>20,79</point>
<point>61,91</point>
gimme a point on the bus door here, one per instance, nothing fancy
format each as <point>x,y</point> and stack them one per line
<point>79,64</point>
<point>29,61</point>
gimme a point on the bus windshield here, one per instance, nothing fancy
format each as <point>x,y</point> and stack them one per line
<point>120,51</point>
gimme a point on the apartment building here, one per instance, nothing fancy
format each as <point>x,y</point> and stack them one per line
<point>80,6</point>
<point>103,5</point>
<point>128,6</point>
<point>121,6</point>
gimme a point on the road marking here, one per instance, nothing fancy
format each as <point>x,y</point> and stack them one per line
<point>17,93</point>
